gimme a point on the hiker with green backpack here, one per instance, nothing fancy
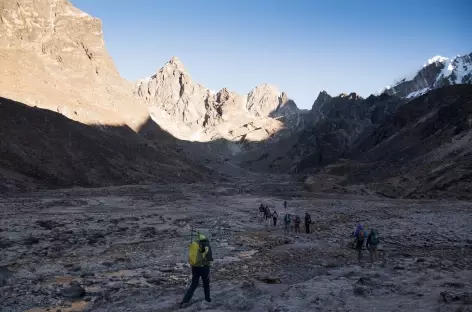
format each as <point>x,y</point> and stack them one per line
<point>199,257</point>
<point>287,222</point>
<point>372,244</point>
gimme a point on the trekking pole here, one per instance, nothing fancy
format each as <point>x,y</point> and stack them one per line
<point>191,233</point>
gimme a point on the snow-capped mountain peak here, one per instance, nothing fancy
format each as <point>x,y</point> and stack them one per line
<point>437,58</point>
<point>438,72</point>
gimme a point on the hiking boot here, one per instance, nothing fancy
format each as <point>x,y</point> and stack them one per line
<point>183,305</point>
<point>208,299</point>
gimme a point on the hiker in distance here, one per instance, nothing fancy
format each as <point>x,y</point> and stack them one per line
<point>307,222</point>
<point>262,211</point>
<point>275,216</point>
<point>372,244</point>
<point>199,257</point>
<point>298,220</point>
<point>359,236</point>
<point>287,222</point>
<point>268,215</point>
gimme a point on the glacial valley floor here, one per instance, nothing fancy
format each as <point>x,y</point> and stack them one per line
<point>125,249</point>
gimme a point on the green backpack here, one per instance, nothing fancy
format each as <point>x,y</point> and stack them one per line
<point>374,237</point>
<point>288,218</point>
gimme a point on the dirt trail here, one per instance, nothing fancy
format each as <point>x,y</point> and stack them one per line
<point>126,248</point>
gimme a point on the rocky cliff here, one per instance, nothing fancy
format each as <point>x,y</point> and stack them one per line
<point>53,56</point>
<point>192,108</point>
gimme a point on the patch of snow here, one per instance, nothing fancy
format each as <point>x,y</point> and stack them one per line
<point>460,69</point>
<point>445,72</point>
<point>459,66</point>
<point>435,59</point>
<point>383,90</point>
<point>416,94</point>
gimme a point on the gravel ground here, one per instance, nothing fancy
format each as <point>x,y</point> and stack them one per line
<point>125,248</point>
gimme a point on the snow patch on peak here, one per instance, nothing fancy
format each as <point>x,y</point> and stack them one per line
<point>437,58</point>
<point>416,94</point>
<point>386,88</point>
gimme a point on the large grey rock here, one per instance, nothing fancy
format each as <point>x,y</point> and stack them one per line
<point>73,291</point>
<point>5,275</point>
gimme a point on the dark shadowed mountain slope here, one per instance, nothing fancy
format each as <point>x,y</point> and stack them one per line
<point>425,148</point>
<point>334,125</point>
<point>419,149</point>
<point>42,148</point>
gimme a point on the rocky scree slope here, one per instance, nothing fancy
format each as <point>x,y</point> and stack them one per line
<point>196,113</point>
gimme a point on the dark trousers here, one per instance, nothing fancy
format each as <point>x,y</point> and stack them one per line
<point>275,221</point>
<point>359,244</point>
<point>197,272</point>
<point>307,228</point>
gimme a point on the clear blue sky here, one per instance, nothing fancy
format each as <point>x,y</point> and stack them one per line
<point>302,47</point>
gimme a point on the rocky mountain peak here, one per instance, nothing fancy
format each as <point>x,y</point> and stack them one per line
<point>437,72</point>
<point>55,29</point>
<point>436,59</point>
<point>262,100</point>
<point>323,97</point>
<point>172,90</point>
<point>286,107</point>
<point>176,63</point>
<point>355,96</point>
<point>223,95</point>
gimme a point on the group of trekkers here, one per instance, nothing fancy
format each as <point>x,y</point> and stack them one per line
<point>200,254</point>
<point>272,217</point>
<point>361,236</point>
<point>371,239</point>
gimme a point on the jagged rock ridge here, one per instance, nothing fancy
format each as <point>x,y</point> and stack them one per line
<point>215,114</point>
